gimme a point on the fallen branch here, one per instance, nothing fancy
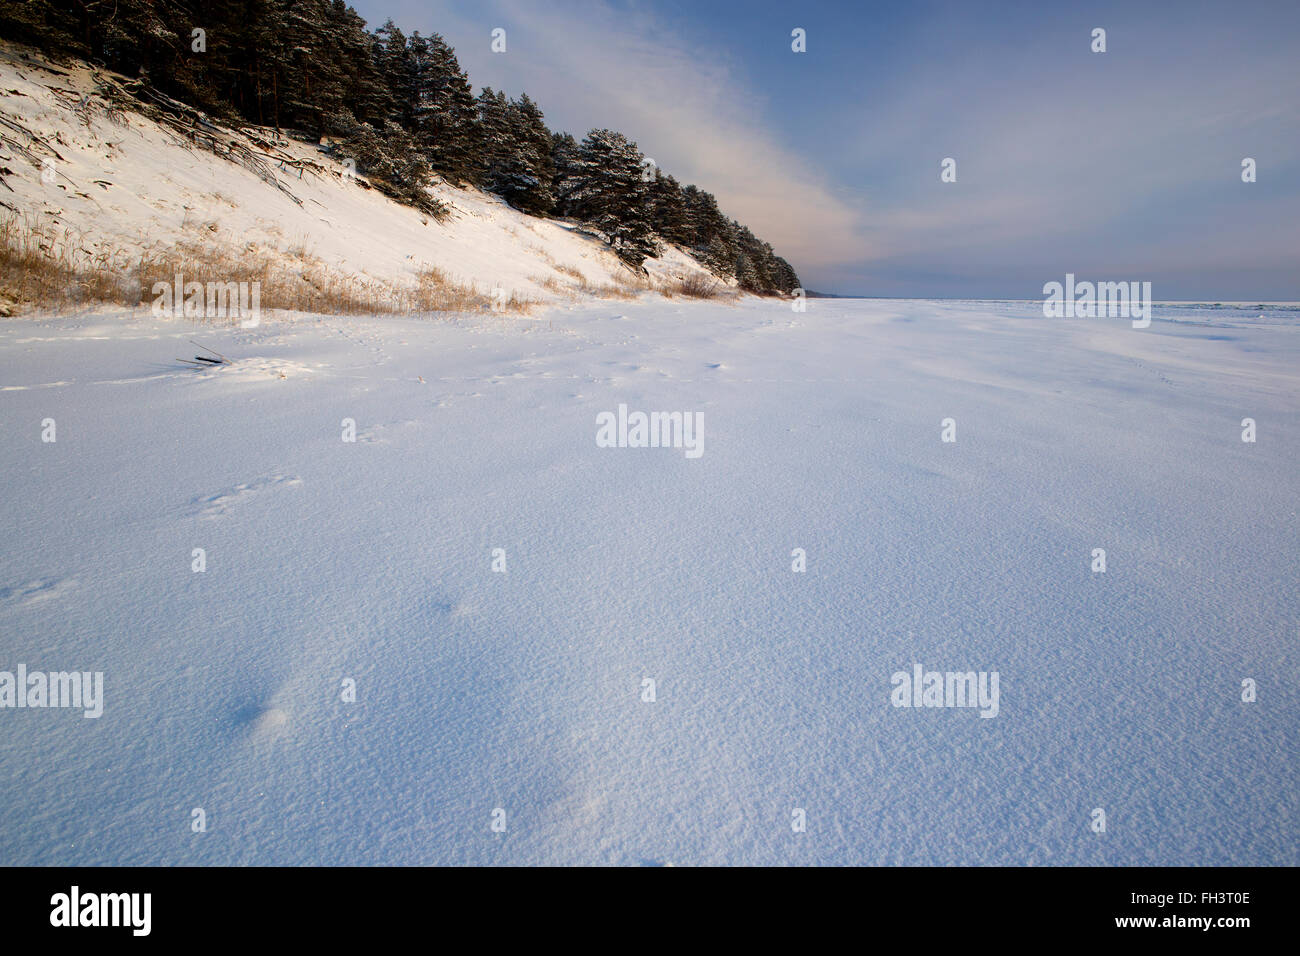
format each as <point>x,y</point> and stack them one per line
<point>203,361</point>
<point>192,125</point>
<point>213,351</point>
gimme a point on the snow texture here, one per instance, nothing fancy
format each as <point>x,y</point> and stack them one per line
<point>371,560</point>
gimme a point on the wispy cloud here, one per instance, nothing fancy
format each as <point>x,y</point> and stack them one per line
<point>688,106</point>
<point>1126,161</point>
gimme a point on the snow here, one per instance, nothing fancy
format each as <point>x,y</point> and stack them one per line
<point>372,561</point>
<point>132,187</point>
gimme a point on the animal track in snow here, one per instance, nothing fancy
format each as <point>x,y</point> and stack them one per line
<point>36,592</point>
<point>215,505</point>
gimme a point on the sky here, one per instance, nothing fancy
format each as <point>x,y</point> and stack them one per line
<point>1116,165</point>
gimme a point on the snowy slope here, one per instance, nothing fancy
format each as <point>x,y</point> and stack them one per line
<point>522,690</point>
<point>126,186</point>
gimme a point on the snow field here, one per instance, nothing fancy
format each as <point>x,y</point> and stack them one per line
<point>371,560</point>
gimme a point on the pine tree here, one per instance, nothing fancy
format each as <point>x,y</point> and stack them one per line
<point>404,110</point>
<point>523,176</point>
<point>392,58</point>
<point>785,279</point>
<point>390,158</point>
<point>612,195</point>
<point>495,139</point>
<point>316,93</point>
<point>566,161</point>
<point>668,210</point>
<point>712,241</point>
<point>753,260</point>
<point>447,124</point>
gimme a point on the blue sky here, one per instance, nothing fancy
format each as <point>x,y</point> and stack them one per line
<point>1117,165</point>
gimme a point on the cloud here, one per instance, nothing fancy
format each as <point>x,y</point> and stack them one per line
<point>687,106</point>
<point>1122,162</point>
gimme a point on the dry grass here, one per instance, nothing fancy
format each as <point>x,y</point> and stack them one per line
<point>437,292</point>
<point>622,285</point>
<point>639,282</point>
<point>697,285</point>
<point>619,287</point>
<point>571,272</point>
<point>550,283</point>
<point>39,270</point>
<point>611,290</point>
<point>301,284</point>
<point>58,271</point>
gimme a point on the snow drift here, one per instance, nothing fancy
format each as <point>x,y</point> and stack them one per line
<point>106,188</point>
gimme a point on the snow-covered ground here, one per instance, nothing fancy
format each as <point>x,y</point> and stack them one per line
<point>476,690</point>
<point>123,187</point>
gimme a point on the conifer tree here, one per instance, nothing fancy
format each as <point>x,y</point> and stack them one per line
<point>668,209</point>
<point>612,195</point>
<point>712,240</point>
<point>566,162</point>
<point>524,176</point>
<point>402,108</point>
<point>447,124</point>
<point>495,141</point>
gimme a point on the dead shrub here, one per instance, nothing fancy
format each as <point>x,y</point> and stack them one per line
<point>698,285</point>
